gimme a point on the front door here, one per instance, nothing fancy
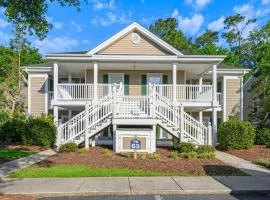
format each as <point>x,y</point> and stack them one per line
<point>116,78</point>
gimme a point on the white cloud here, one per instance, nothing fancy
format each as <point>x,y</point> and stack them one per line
<point>103,4</point>
<point>264,2</point>
<point>55,44</point>
<point>76,26</point>
<point>198,3</point>
<point>262,12</point>
<point>112,18</point>
<point>3,23</point>
<point>191,25</point>
<point>56,25</point>
<point>217,25</point>
<point>245,9</point>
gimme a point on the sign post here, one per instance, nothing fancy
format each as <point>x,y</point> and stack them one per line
<point>135,144</point>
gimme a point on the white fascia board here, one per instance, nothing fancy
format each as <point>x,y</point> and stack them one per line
<point>134,58</point>
<point>128,29</point>
<point>37,69</point>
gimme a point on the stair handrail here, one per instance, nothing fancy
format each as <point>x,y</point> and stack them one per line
<point>76,125</point>
<point>190,126</point>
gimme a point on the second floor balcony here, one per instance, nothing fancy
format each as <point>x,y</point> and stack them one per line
<point>81,93</point>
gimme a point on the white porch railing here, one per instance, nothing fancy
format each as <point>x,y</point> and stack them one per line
<point>133,107</point>
<point>201,93</point>
<point>70,91</point>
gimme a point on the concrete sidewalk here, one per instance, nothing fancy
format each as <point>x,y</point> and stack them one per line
<point>134,185</point>
<point>244,165</point>
<point>24,162</point>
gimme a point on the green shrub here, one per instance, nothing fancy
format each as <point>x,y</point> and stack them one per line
<point>262,135</point>
<point>206,149</point>
<point>153,156</point>
<point>3,116</point>
<point>267,144</point>
<point>264,162</point>
<point>107,153</point>
<point>236,134</point>
<point>206,155</point>
<point>185,147</point>
<point>188,155</point>
<point>68,147</point>
<point>173,154</point>
<point>41,131</point>
<point>83,151</point>
<point>13,129</point>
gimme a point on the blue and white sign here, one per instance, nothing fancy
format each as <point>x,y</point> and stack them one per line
<point>135,144</point>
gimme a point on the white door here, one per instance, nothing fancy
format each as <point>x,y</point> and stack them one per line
<point>116,78</point>
<point>154,78</point>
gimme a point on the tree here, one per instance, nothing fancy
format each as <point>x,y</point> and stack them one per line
<point>207,44</point>
<point>259,41</point>
<point>235,26</point>
<point>11,78</point>
<point>30,14</point>
<point>207,38</point>
<point>166,29</point>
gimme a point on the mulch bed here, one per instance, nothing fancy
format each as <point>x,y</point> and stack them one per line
<point>16,197</point>
<point>254,154</point>
<point>25,147</point>
<point>95,158</point>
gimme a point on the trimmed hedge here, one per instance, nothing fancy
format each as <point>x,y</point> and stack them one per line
<point>236,134</point>
<point>185,147</point>
<point>13,129</point>
<point>262,135</point>
<point>68,147</point>
<point>39,131</point>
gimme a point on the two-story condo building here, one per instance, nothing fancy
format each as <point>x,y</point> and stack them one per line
<point>135,85</point>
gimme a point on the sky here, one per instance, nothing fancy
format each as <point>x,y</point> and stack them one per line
<point>100,19</point>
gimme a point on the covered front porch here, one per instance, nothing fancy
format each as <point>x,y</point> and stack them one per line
<point>183,83</point>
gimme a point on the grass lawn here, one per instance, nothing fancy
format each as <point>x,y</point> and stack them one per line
<point>85,171</point>
<point>14,153</point>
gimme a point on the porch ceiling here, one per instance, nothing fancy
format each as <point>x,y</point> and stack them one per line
<point>192,69</point>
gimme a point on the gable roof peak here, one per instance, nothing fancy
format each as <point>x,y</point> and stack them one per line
<point>142,30</point>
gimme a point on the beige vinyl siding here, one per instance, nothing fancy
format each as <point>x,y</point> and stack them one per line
<point>125,46</point>
<point>232,97</point>
<point>135,78</point>
<point>37,95</point>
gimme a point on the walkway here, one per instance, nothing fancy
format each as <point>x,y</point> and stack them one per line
<point>134,185</point>
<point>24,162</point>
<point>244,165</point>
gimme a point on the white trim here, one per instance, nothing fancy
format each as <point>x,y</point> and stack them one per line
<point>241,98</point>
<point>224,109</point>
<point>46,93</point>
<point>141,29</point>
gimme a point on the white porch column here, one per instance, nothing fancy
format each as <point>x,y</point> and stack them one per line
<point>214,103</point>
<point>95,81</point>
<point>214,84</point>
<point>69,78</point>
<point>69,114</point>
<point>201,116</point>
<point>58,133</point>
<point>86,134</point>
<point>174,81</point>
<point>55,80</point>
<point>241,98</point>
